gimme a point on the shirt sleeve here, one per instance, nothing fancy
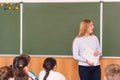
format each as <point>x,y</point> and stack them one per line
<point>98,46</point>
<point>76,51</point>
<point>41,74</point>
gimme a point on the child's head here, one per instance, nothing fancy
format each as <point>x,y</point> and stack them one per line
<point>20,68</point>
<point>112,72</point>
<point>6,73</point>
<point>26,56</point>
<point>20,62</point>
<point>49,63</point>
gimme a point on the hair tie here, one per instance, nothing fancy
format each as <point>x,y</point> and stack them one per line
<point>21,65</point>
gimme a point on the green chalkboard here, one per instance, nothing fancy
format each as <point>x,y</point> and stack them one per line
<point>9,30</point>
<point>111,29</point>
<point>50,28</point>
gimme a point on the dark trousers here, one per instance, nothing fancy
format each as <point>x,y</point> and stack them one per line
<point>89,72</point>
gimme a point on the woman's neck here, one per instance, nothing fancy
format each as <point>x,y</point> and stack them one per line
<point>86,35</point>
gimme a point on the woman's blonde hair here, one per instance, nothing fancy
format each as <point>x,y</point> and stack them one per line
<point>84,24</point>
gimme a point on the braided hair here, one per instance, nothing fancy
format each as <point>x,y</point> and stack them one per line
<point>48,65</point>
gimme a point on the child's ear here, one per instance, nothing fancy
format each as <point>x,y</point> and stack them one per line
<point>55,68</point>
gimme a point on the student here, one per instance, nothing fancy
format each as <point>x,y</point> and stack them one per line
<point>112,72</point>
<point>30,73</point>
<point>49,73</point>
<point>88,70</point>
<point>20,67</point>
<point>6,73</point>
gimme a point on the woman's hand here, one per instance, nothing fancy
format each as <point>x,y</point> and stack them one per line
<point>96,53</point>
<point>90,63</point>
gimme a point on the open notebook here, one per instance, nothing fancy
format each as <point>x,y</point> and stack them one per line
<point>89,55</point>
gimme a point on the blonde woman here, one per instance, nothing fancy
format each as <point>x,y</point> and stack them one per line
<point>88,70</point>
